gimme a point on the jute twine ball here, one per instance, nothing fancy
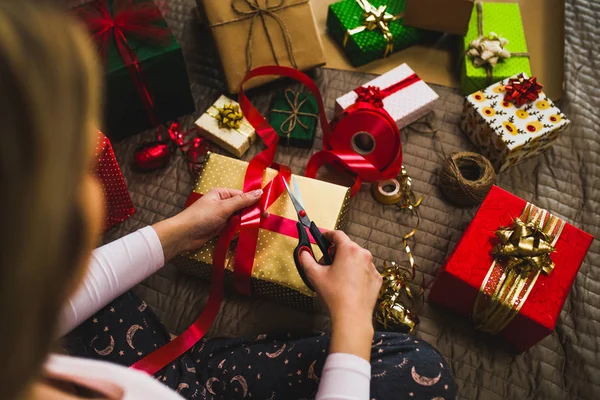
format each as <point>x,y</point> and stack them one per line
<point>466,178</point>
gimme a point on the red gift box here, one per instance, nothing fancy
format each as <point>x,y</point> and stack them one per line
<point>116,196</point>
<point>471,275</point>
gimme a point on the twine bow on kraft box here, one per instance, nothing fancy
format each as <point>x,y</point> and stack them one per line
<point>512,270</point>
<point>253,33</point>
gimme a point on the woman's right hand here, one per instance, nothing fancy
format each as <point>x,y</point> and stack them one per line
<point>348,288</point>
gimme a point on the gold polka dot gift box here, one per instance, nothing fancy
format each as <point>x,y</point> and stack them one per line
<point>274,274</point>
<point>507,132</point>
<point>224,124</point>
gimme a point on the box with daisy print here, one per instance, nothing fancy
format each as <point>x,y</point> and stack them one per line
<point>512,120</point>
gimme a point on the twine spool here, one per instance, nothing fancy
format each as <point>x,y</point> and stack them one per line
<point>466,178</point>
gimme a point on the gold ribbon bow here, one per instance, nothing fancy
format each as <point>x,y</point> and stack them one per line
<point>294,113</point>
<point>375,18</point>
<point>391,312</point>
<point>524,247</point>
<point>488,50</point>
<point>229,116</point>
<point>522,254</point>
<point>255,10</point>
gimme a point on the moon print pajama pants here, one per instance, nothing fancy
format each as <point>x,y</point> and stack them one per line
<point>268,366</point>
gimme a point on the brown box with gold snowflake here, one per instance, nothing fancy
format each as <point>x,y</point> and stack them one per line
<point>274,274</point>
<point>506,131</point>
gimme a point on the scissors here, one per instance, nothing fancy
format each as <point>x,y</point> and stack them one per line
<point>304,222</point>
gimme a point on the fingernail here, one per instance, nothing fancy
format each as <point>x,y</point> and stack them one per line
<point>256,193</point>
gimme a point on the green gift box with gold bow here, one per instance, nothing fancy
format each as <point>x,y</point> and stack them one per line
<point>294,117</point>
<point>494,46</point>
<point>369,30</point>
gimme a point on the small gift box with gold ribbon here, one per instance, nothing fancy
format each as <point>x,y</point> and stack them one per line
<point>224,124</point>
<point>512,270</point>
<point>494,46</point>
<point>254,33</point>
<point>370,29</point>
<point>274,275</point>
<point>512,120</point>
<point>294,117</point>
<point>401,92</point>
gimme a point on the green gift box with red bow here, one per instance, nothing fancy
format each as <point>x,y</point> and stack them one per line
<point>146,81</point>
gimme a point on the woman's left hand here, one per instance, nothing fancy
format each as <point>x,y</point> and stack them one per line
<point>203,220</point>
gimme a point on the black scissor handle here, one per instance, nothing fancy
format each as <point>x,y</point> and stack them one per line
<point>325,245</point>
<point>303,245</point>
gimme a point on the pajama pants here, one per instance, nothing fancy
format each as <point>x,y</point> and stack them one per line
<point>268,366</point>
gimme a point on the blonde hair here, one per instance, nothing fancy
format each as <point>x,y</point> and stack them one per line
<point>49,102</point>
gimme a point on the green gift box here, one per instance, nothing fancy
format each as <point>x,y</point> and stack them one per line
<point>495,26</point>
<point>294,117</point>
<point>161,71</point>
<point>369,30</point>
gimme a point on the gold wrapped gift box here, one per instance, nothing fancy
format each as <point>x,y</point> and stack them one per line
<point>274,274</point>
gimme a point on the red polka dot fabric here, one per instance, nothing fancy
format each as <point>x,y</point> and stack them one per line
<point>117,201</point>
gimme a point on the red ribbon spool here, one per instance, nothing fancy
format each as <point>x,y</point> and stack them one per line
<point>366,141</point>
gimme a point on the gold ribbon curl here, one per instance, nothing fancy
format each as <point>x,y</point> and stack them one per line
<point>294,113</point>
<point>391,311</point>
<point>488,50</point>
<point>375,18</point>
<point>522,254</point>
<point>254,11</point>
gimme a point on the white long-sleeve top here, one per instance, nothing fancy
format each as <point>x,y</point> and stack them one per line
<point>116,268</point>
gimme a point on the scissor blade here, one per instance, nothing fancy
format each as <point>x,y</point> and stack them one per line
<point>297,192</point>
<point>295,202</point>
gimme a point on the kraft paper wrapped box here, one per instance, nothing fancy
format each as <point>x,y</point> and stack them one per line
<point>274,274</point>
<point>507,134</point>
<point>497,28</point>
<point>404,95</point>
<point>448,16</point>
<point>294,116</point>
<point>519,293</point>
<point>355,25</point>
<point>250,34</point>
<point>224,124</point>
<point>117,202</point>
<point>162,73</point>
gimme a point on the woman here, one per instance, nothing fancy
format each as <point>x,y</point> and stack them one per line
<point>52,215</point>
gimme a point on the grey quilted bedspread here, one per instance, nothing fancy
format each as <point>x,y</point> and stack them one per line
<point>565,180</point>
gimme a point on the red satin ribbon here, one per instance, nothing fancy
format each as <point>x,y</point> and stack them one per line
<point>129,18</point>
<point>375,95</point>
<point>273,223</point>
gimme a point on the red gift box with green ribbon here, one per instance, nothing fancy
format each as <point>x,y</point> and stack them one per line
<point>146,81</point>
<point>512,270</point>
